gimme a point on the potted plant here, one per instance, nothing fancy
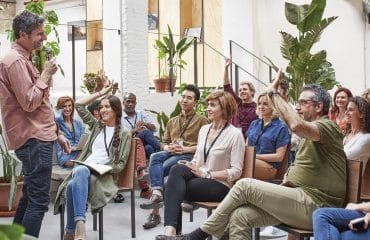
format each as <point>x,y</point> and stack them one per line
<point>50,48</point>
<point>305,67</point>
<point>169,54</point>
<point>10,184</point>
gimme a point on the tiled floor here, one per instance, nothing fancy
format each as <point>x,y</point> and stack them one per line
<point>117,223</point>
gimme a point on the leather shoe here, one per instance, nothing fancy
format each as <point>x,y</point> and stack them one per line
<point>180,237</point>
<point>152,221</point>
<point>155,201</point>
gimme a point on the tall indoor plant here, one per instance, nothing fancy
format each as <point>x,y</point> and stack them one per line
<point>9,182</point>
<point>305,67</point>
<point>170,56</point>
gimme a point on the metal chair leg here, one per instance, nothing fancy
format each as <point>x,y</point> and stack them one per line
<point>61,221</point>
<point>101,224</point>
<point>133,223</point>
<point>95,220</point>
<point>191,215</point>
<point>257,233</point>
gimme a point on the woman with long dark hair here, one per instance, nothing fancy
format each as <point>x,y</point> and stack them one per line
<point>109,144</point>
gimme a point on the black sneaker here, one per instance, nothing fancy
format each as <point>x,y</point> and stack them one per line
<point>179,237</point>
<point>152,221</point>
<point>155,201</point>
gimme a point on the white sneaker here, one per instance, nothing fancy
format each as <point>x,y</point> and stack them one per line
<point>272,232</point>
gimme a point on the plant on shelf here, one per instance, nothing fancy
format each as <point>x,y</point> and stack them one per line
<point>305,67</point>
<point>170,56</point>
<point>162,118</point>
<point>10,179</point>
<point>93,82</point>
<point>50,48</point>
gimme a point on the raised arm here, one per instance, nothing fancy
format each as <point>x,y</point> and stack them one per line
<point>299,126</point>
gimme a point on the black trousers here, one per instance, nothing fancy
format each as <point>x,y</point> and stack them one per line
<point>182,185</point>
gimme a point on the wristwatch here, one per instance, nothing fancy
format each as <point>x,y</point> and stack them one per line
<point>273,92</point>
<point>208,175</point>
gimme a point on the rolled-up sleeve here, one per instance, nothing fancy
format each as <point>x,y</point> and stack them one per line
<point>237,158</point>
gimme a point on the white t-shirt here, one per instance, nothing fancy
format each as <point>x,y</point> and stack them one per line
<point>357,148</point>
<point>99,152</point>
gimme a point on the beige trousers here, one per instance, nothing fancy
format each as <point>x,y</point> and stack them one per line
<point>254,203</point>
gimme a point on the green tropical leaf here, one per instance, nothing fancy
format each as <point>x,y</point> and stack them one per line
<point>313,36</point>
<point>52,17</point>
<point>313,17</point>
<point>11,232</point>
<point>289,46</point>
<point>36,7</point>
<point>295,13</point>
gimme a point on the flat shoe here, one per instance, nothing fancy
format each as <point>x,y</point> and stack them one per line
<point>152,221</point>
<point>118,198</point>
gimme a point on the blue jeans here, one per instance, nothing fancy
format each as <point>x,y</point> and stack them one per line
<point>76,196</point>
<point>151,143</point>
<point>36,157</point>
<point>332,224</point>
<point>160,165</point>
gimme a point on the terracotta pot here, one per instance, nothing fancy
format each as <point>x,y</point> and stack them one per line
<point>162,84</point>
<point>4,193</point>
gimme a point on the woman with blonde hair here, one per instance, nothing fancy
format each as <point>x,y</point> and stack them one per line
<point>217,163</point>
<point>270,137</point>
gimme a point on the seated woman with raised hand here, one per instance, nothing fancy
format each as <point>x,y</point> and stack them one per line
<point>217,163</point>
<point>337,223</point>
<point>70,127</point>
<point>357,140</point>
<point>270,137</point>
<point>109,144</point>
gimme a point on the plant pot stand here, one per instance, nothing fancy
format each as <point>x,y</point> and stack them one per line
<point>161,85</point>
<point>4,193</point>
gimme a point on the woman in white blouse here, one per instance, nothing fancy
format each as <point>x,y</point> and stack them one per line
<point>217,163</point>
<point>357,140</point>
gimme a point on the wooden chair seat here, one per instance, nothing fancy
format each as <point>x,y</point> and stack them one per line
<point>353,191</point>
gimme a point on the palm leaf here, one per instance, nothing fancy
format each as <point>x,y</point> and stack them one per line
<point>295,13</point>
<point>313,16</point>
<point>313,36</point>
<point>289,46</point>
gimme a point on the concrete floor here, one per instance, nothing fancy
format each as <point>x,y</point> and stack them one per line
<point>117,224</point>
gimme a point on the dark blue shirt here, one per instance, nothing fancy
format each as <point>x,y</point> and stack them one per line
<point>269,138</point>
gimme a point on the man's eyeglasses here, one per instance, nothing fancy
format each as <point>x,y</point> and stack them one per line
<point>305,101</point>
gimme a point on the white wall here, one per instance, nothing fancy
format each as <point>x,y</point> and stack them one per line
<point>344,39</point>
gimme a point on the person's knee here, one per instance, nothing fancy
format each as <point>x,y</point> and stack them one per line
<point>178,169</point>
<point>157,158</point>
<point>319,214</point>
<point>81,171</point>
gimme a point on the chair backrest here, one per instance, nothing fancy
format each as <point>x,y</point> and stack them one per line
<point>126,177</point>
<point>365,190</point>
<point>354,178</point>
<point>249,162</point>
<point>283,165</point>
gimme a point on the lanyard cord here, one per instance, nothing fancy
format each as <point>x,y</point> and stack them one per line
<point>132,126</point>
<point>186,125</point>
<point>105,141</point>
<point>206,153</point>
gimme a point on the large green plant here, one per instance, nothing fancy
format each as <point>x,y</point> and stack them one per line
<point>10,162</point>
<point>39,57</point>
<point>170,53</point>
<point>162,118</point>
<point>305,67</point>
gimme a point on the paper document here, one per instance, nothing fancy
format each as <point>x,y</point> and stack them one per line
<point>95,167</point>
<point>82,141</point>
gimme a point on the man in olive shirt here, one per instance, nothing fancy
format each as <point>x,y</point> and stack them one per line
<point>317,178</point>
<point>180,140</point>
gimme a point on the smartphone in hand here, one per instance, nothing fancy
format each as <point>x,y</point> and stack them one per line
<point>358,224</point>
